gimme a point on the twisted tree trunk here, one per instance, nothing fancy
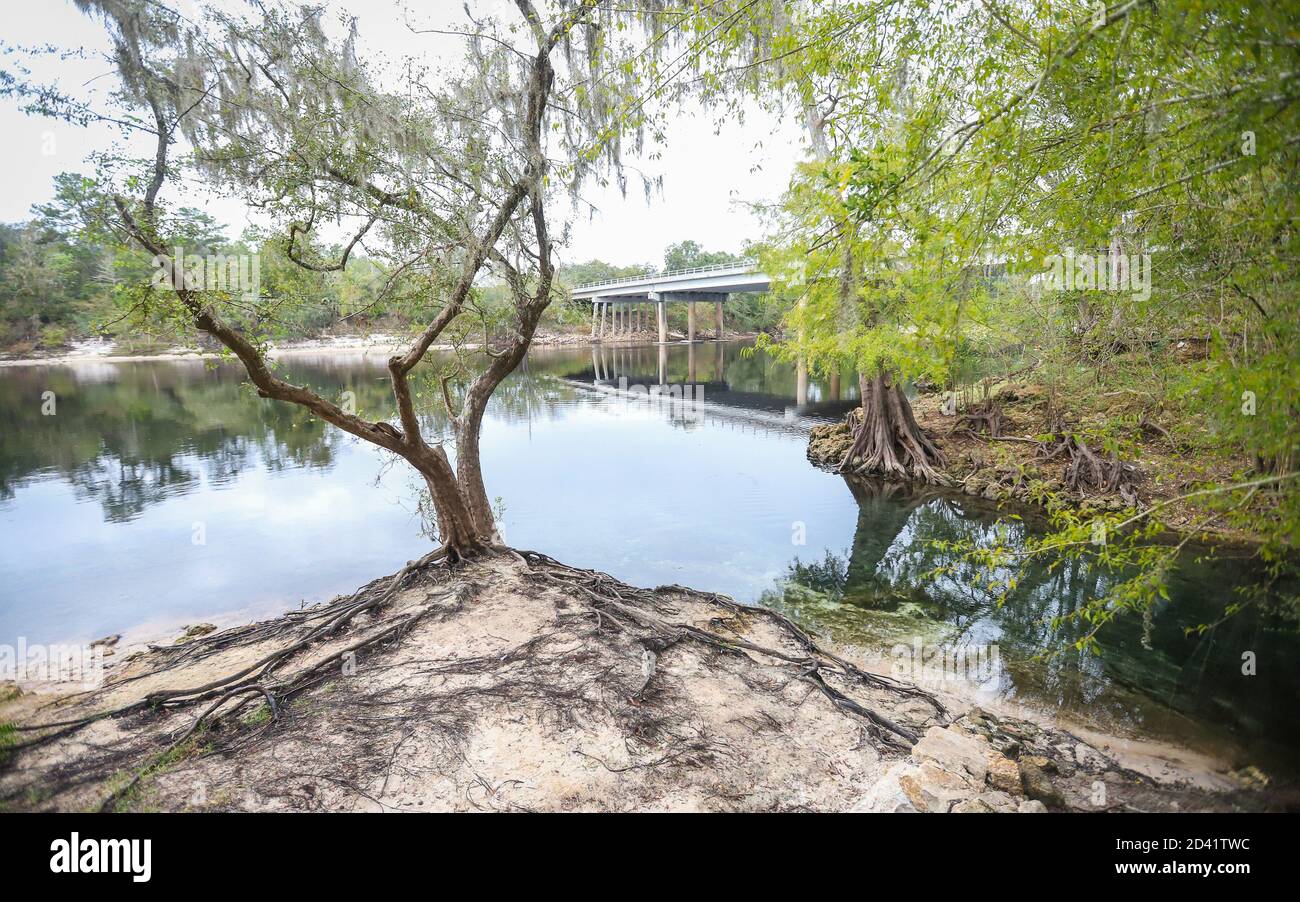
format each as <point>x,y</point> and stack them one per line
<point>887,440</point>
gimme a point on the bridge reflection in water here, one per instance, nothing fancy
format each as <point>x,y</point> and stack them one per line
<point>700,372</point>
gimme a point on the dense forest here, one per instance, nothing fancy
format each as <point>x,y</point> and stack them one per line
<point>56,286</point>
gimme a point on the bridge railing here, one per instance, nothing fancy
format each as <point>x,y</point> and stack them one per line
<point>747,263</point>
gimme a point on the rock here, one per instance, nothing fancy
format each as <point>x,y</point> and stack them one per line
<point>1020,729</point>
<point>1032,806</point>
<point>976,721</point>
<point>954,751</point>
<point>193,632</point>
<point>9,690</point>
<point>829,443</point>
<point>107,641</point>
<point>1251,777</point>
<point>998,801</point>
<point>931,788</point>
<point>1006,746</point>
<point>973,806</point>
<point>1042,762</point>
<point>1004,775</point>
<point>1089,758</point>
<point>886,796</point>
<point>1038,785</point>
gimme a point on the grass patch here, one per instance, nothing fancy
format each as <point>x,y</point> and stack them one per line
<point>130,796</point>
<point>8,738</point>
<point>258,716</point>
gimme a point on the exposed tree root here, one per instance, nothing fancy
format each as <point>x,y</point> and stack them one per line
<point>610,597</point>
<point>1086,468</point>
<point>324,621</point>
<point>982,418</point>
<point>887,440</point>
<point>603,657</point>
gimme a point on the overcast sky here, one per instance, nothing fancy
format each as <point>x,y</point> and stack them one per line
<point>708,178</point>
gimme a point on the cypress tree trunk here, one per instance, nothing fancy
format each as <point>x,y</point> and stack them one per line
<point>888,441</point>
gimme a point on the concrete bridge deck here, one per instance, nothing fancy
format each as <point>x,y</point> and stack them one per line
<point>623,300</point>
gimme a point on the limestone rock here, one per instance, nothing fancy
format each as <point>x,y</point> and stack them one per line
<point>194,632</point>
<point>931,788</point>
<point>954,751</point>
<point>1004,775</point>
<point>1038,785</point>
<point>1032,806</point>
<point>886,795</point>
<point>1006,746</point>
<point>999,801</point>
<point>1089,758</point>
<point>828,444</point>
<point>973,806</point>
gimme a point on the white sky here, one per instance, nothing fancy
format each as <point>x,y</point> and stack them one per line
<point>708,178</point>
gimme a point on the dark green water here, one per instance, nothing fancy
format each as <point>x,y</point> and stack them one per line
<point>101,503</point>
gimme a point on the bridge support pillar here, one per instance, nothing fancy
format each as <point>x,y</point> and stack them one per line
<point>717,309</point>
<point>690,321</point>
<point>661,313</point>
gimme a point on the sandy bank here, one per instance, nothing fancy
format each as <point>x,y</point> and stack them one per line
<point>516,683</point>
<point>382,346</point>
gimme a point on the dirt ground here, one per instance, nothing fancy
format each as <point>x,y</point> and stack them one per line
<point>1011,466</point>
<point>517,683</point>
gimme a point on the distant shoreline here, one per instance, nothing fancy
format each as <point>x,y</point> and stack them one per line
<point>103,352</point>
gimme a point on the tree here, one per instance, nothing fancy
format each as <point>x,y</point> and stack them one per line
<point>451,176</point>
<point>1153,145</point>
<point>689,255</point>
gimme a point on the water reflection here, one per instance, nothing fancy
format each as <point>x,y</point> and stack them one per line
<point>731,376</point>
<point>880,592</point>
<point>99,504</point>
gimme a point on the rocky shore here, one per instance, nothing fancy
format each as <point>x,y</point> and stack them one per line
<point>984,763</point>
<point>1011,465</point>
<point>517,683</point>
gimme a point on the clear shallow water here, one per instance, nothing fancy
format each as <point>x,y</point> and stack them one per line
<point>101,503</point>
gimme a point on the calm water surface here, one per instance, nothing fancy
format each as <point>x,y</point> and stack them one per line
<point>163,493</point>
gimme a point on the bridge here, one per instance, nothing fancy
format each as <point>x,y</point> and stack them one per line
<point>625,302</point>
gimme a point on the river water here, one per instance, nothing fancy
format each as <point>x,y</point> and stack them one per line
<point>161,493</point>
